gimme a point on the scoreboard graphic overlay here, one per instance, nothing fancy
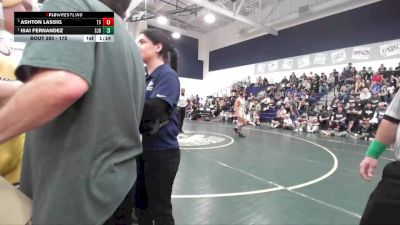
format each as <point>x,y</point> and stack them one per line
<point>64,26</point>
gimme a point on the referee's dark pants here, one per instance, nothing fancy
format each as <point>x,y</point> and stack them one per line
<point>383,206</point>
<point>156,171</point>
<point>182,113</point>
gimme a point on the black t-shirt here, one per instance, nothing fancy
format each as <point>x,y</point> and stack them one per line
<point>393,82</point>
<point>367,113</point>
<point>339,116</point>
<point>324,124</point>
<point>352,114</point>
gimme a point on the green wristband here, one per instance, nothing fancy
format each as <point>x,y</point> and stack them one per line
<point>376,148</point>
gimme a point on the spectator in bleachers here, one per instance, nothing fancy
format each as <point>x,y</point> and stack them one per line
<point>335,74</point>
<point>398,67</point>
<point>382,69</point>
<point>293,78</point>
<point>338,122</point>
<point>378,115</point>
<point>393,81</point>
<point>375,99</point>
<point>377,78</point>
<point>287,122</point>
<point>368,112</point>
<point>359,84</point>
<point>363,72</point>
<point>313,125</point>
<point>277,122</point>
<point>324,85</point>
<point>369,74</point>
<point>285,80</point>
<point>265,82</point>
<point>331,81</point>
<point>323,118</point>
<point>364,131</point>
<point>301,123</point>
<point>365,96</point>
<point>353,116</point>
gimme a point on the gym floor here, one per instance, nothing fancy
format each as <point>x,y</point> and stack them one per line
<point>271,176</point>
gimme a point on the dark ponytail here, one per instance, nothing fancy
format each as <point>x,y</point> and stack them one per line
<point>168,53</point>
<point>173,58</point>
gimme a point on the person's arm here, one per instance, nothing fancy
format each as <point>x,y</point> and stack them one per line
<point>7,89</point>
<point>38,101</point>
<point>154,108</point>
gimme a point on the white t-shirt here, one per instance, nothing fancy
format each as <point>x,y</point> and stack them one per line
<point>182,101</point>
<point>394,111</point>
<point>288,122</point>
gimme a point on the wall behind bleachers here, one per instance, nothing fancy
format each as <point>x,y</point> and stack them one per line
<point>369,24</point>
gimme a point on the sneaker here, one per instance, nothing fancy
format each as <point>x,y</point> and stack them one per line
<point>241,135</point>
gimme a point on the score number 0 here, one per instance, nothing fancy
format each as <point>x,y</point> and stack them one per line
<point>105,22</point>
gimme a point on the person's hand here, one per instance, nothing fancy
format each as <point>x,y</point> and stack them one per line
<point>367,168</point>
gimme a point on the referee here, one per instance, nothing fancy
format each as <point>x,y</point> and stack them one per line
<point>383,206</point>
<point>182,103</point>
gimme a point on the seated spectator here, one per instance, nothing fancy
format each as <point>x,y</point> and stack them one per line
<point>331,81</point>
<point>384,94</point>
<point>363,72</point>
<point>376,87</point>
<point>313,125</point>
<point>377,78</point>
<point>375,99</point>
<point>323,118</point>
<point>365,96</point>
<point>301,123</point>
<point>382,69</point>
<point>277,122</point>
<point>284,80</point>
<point>364,131</point>
<point>353,117</point>
<point>255,119</point>
<point>359,85</point>
<point>338,123</point>
<point>368,112</point>
<point>369,74</point>
<point>312,98</point>
<point>378,114</point>
<point>287,122</point>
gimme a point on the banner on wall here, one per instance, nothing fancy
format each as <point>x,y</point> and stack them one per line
<point>320,59</point>
<point>260,68</point>
<point>390,49</point>
<point>338,56</point>
<point>287,64</point>
<point>273,66</point>
<point>361,53</point>
<point>303,61</point>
